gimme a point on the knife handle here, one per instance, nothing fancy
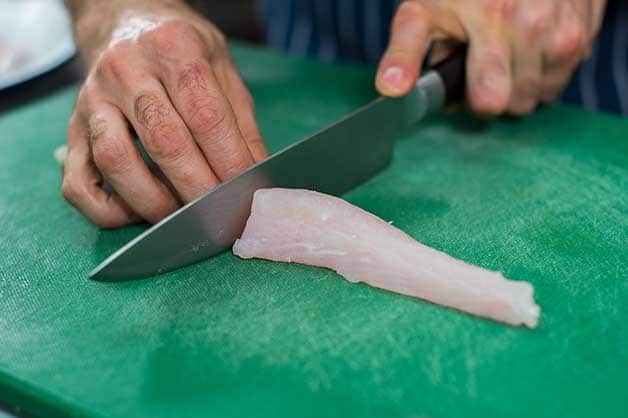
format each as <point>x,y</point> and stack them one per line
<point>452,71</point>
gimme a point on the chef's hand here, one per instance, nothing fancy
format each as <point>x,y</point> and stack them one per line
<point>521,52</point>
<point>158,70</point>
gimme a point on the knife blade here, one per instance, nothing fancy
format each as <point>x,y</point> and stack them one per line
<point>333,160</point>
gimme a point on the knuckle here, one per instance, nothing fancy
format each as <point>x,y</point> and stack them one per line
<point>209,118</point>
<point>570,40</point>
<point>192,77</point>
<point>151,111</point>
<point>110,156</point>
<point>165,145</point>
<point>113,63</point>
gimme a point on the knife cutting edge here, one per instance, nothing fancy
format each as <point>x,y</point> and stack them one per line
<point>333,160</point>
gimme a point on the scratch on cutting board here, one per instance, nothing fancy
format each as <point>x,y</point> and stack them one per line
<point>471,365</point>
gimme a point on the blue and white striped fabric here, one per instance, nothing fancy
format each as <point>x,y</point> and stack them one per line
<point>357,31</point>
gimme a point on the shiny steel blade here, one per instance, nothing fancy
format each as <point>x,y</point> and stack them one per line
<point>333,160</point>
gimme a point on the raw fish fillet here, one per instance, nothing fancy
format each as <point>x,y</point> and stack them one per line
<point>307,227</point>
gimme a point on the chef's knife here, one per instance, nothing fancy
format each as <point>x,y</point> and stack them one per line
<point>333,160</point>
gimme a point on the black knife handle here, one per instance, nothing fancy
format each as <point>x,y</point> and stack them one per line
<point>452,71</point>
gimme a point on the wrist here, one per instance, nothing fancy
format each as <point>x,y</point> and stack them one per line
<point>95,21</point>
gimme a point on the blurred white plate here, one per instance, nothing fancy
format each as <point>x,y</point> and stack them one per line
<point>35,37</point>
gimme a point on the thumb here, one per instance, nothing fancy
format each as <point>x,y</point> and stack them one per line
<point>409,39</point>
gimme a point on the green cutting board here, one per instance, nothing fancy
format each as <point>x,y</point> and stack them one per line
<point>542,199</point>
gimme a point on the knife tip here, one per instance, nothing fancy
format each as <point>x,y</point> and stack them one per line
<point>104,272</point>
<point>96,273</point>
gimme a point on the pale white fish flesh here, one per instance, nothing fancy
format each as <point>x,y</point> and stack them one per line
<point>312,228</point>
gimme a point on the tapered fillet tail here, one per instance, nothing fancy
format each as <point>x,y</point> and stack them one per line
<point>307,227</point>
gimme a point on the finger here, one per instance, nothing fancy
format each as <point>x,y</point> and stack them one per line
<point>167,139</point>
<point>563,50</point>
<point>489,70</point>
<point>400,66</point>
<point>590,13</point>
<point>528,32</point>
<point>556,76</point>
<point>554,81</point>
<point>121,164</point>
<point>596,11</point>
<point>243,105</point>
<point>566,42</point>
<point>82,184</point>
<point>209,116</point>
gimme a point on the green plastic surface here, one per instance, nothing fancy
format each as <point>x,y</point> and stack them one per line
<point>543,199</point>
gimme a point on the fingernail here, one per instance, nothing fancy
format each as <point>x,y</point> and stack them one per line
<point>392,77</point>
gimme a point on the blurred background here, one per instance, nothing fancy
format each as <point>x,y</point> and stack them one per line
<point>237,18</point>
